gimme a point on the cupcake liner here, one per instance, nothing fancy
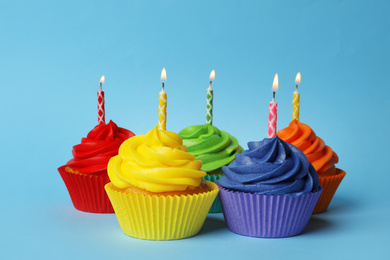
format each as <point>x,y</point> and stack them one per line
<point>271,216</point>
<point>87,191</point>
<point>216,207</point>
<point>161,217</point>
<point>330,183</point>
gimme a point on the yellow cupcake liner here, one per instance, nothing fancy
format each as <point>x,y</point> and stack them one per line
<point>161,217</point>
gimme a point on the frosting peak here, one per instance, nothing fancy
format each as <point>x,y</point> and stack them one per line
<point>93,153</point>
<point>156,162</point>
<point>215,148</point>
<point>304,138</point>
<point>271,166</point>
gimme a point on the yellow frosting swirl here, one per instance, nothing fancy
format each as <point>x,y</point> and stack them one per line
<point>156,162</point>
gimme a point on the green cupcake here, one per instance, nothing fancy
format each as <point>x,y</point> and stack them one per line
<point>214,147</point>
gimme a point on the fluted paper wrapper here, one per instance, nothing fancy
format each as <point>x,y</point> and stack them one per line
<point>330,184</point>
<point>87,191</point>
<point>161,217</point>
<point>271,216</point>
<point>216,207</point>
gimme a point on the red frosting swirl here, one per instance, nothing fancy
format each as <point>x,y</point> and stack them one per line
<point>303,137</point>
<point>94,152</point>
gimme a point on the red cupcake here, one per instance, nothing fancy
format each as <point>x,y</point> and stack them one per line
<point>86,174</point>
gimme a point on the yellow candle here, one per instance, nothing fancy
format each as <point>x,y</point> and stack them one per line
<point>296,98</point>
<point>162,104</point>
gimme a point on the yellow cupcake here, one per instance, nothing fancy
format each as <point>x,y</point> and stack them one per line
<point>156,187</point>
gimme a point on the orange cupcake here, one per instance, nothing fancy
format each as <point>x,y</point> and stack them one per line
<point>322,157</point>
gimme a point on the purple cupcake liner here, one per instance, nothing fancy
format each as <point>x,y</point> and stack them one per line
<point>268,216</point>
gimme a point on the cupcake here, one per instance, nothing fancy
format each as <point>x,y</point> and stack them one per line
<point>215,148</point>
<point>320,155</point>
<point>156,187</point>
<point>269,190</point>
<point>86,174</point>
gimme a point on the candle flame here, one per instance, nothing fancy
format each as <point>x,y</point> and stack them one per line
<point>163,75</point>
<point>212,75</point>
<point>102,79</point>
<point>298,78</point>
<point>275,85</point>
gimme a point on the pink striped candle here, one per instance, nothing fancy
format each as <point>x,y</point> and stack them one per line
<point>101,111</point>
<point>273,115</point>
<point>272,119</point>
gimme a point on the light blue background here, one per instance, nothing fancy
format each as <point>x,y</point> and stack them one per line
<point>52,55</point>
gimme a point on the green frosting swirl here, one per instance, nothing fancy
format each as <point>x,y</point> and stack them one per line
<point>215,148</point>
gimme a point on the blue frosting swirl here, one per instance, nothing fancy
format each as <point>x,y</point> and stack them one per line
<point>271,166</point>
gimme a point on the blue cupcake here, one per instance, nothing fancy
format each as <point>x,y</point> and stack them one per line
<point>269,190</point>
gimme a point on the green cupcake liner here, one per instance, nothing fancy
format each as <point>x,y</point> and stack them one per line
<point>216,207</point>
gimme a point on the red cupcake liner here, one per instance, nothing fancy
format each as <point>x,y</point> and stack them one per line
<point>87,191</point>
<point>267,216</point>
<point>330,183</point>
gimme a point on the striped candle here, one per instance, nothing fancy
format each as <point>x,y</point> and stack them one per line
<point>209,100</point>
<point>101,110</point>
<point>296,98</point>
<point>162,104</point>
<point>272,118</point>
<point>273,115</point>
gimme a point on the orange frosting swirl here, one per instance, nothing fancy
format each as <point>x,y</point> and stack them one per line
<point>322,157</point>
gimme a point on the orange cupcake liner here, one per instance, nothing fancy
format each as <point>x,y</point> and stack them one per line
<point>330,183</point>
<point>87,191</point>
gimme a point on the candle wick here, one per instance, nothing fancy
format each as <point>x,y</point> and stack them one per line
<point>296,87</point>
<point>210,88</point>
<point>163,85</point>
<point>100,86</point>
<point>273,96</point>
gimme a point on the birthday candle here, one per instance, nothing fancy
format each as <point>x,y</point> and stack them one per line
<point>296,98</point>
<point>209,101</point>
<point>101,111</point>
<point>162,104</point>
<point>272,117</point>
